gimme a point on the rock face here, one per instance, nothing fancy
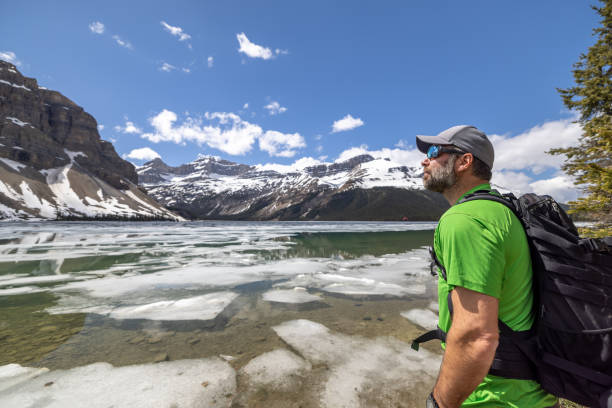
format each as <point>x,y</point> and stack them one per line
<point>53,146</point>
<point>361,188</point>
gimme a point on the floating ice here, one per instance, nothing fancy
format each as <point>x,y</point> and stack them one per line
<point>423,317</point>
<point>183,383</point>
<point>23,290</point>
<point>37,279</point>
<point>279,369</point>
<point>205,307</point>
<point>295,295</point>
<point>12,374</point>
<point>360,369</point>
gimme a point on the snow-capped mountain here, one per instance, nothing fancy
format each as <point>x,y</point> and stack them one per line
<point>53,163</point>
<point>361,188</point>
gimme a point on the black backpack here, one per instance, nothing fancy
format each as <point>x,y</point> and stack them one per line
<point>569,347</point>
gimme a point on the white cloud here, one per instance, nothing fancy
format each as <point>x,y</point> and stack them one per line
<point>318,137</point>
<point>281,52</point>
<point>274,108</point>
<point>176,31</point>
<point>123,43</point>
<point>402,144</point>
<point>144,153</point>
<point>129,128</point>
<point>210,60</point>
<point>410,158</point>
<point>528,149</point>
<point>10,56</point>
<point>245,106</point>
<point>561,188</point>
<point>100,128</point>
<point>253,50</point>
<point>232,134</point>
<point>167,67</point>
<point>319,149</point>
<point>225,131</point>
<point>346,123</point>
<point>96,27</point>
<point>281,144</point>
<point>186,70</point>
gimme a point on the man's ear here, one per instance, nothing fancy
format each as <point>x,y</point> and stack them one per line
<point>464,162</point>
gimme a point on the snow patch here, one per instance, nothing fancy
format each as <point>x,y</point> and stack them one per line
<point>14,85</point>
<point>13,164</point>
<point>17,121</point>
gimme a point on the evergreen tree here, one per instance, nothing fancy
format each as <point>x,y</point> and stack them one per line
<point>591,161</point>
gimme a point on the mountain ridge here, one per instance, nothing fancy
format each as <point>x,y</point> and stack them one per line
<point>360,188</point>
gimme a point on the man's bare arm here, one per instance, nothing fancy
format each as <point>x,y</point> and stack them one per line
<point>470,346</point>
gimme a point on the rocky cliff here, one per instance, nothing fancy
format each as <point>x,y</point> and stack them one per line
<point>53,162</point>
<point>361,188</point>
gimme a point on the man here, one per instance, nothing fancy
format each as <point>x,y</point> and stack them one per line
<point>483,249</point>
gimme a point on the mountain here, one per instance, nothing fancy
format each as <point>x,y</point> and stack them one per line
<point>361,188</point>
<point>53,163</point>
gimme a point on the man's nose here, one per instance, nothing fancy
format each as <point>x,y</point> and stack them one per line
<point>425,162</point>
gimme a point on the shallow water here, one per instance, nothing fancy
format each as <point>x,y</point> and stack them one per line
<point>72,294</point>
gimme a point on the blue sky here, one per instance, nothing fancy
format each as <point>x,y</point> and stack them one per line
<point>283,82</point>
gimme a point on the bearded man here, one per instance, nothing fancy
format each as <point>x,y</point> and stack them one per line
<point>482,250</point>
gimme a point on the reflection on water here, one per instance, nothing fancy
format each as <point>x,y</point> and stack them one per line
<point>349,245</point>
<point>72,294</point>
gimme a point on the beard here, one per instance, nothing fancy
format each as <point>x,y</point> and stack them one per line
<point>441,178</point>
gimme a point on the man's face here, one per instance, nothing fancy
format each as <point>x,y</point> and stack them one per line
<point>439,173</point>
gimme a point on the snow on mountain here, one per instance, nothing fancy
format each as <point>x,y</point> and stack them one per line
<point>53,163</point>
<point>211,188</point>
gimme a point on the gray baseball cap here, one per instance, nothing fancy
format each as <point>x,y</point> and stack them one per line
<point>465,137</point>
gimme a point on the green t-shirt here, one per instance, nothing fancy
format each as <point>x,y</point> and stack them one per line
<point>483,247</point>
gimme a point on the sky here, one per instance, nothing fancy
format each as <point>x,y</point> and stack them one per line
<point>296,83</point>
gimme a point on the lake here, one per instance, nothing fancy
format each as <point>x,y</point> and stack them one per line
<point>270,314</point>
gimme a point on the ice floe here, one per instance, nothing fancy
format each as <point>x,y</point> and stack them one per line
<point>205,307</point>
<point>422,317</point>
<point>360,369</point>
<point>183,383</point>
<point>295,295</point>
<point>279,369</point>
<point>20,290</point>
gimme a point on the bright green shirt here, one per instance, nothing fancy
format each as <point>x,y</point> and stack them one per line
<point>483,247</point>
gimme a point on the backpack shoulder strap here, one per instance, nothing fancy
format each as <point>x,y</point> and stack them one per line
<point>509,200</point>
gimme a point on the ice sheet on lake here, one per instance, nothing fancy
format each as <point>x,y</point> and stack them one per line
<point>111,265</point>
<point>422,317</point>
<point>295,295</point>
<point>359,368</point>
<point>183,383</point>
